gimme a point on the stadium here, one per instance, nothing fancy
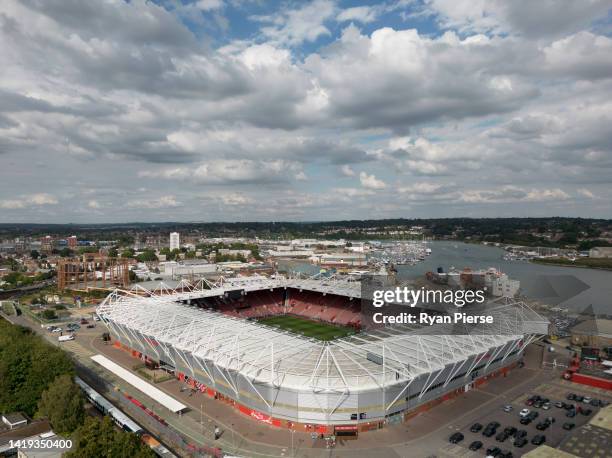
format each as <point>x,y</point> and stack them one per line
<point>291,351</point>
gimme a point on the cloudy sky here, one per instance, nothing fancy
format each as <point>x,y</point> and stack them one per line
<point>225,110</point>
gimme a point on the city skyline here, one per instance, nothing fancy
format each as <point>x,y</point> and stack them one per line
<point>290,111</point>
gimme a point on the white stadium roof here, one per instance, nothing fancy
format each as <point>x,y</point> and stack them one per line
<point>279,357</point>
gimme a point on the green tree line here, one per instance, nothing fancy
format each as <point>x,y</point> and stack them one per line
<point>37,378</point>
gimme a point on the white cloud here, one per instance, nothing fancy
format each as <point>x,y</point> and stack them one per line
<point>512,194</point>
<point>209,5</point>
<point>234,199</point>
<point>94,204</point>
<point>154,203</point>
<point>524,17</point>
<point>583,192</point>
<point>347,171</point>
<point>31,200</point>
<point>420,188</point>
<point>294,26</point>
<point>513,93</point>
<point>228,171</point>
<point>352,192</point>
<point>363,14</point>
<point>371,182</point>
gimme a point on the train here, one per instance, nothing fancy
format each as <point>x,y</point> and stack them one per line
<point>104,406</point>
<point>121,419</point>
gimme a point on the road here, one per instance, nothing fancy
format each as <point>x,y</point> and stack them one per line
<point>423,436</point>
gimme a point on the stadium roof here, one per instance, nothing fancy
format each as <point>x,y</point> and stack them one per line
<point>364,361</point>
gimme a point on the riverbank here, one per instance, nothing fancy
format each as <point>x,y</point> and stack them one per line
<point>583,263</point>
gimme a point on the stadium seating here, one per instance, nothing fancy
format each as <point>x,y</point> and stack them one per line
<point>312,305</point>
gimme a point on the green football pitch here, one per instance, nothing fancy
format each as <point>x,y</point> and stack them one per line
<point>308,328</point>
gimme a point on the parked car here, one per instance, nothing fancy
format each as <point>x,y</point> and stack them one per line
<point>587,399</point>
<point>57,330</point>
<point>476,445</point>
<point>520,434</point>
<point>533,415</point>
<point>501,437</point>
<point>510,430</point>
<point>456,438</point>
<point>520,442</point>
<point>523,413</point>
<point>91,326</point>
<point>543,425</point>
<point>488,432</point>
<point>493,451</point>
<point>560,405</point>
<point>570,413</point>
<point>505,454</point>
<point>568,426</point>
<point>571,397</point>
<point>538,439</point>
<point>546,406</point>
<point>476,427</point>
<point>508,408</point>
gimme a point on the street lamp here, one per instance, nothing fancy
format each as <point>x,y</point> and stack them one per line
<point>292,450</point>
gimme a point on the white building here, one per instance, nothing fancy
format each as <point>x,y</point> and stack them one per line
<point>175,243</point>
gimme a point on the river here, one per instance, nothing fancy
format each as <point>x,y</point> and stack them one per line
<point>537,281</point>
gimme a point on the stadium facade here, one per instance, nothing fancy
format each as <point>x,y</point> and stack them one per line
<point>362,381</point>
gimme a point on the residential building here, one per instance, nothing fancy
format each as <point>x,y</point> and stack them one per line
<point>175,242</point>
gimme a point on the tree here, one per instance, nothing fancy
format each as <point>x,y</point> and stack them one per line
<point>28,364</point>
<point>62,404</point>
<point>66,252</point>
<point>49,314</point>
<point>129,253</point>
<point>147,256</point>
<point>113,253</point>
<point>99,439</point>
<point>34,254</point>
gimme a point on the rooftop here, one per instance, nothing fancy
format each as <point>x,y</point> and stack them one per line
<point>545,451</point>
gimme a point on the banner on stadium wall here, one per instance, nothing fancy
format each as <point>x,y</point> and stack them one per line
<point>346,428</point>
<point>261,417</point>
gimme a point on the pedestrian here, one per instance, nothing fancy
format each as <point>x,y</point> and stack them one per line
<point>217,432</point>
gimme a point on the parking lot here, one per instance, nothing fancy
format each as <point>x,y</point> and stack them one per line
<point>554,433</point>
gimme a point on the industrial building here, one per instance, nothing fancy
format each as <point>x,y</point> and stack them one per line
<point>209,336</point>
